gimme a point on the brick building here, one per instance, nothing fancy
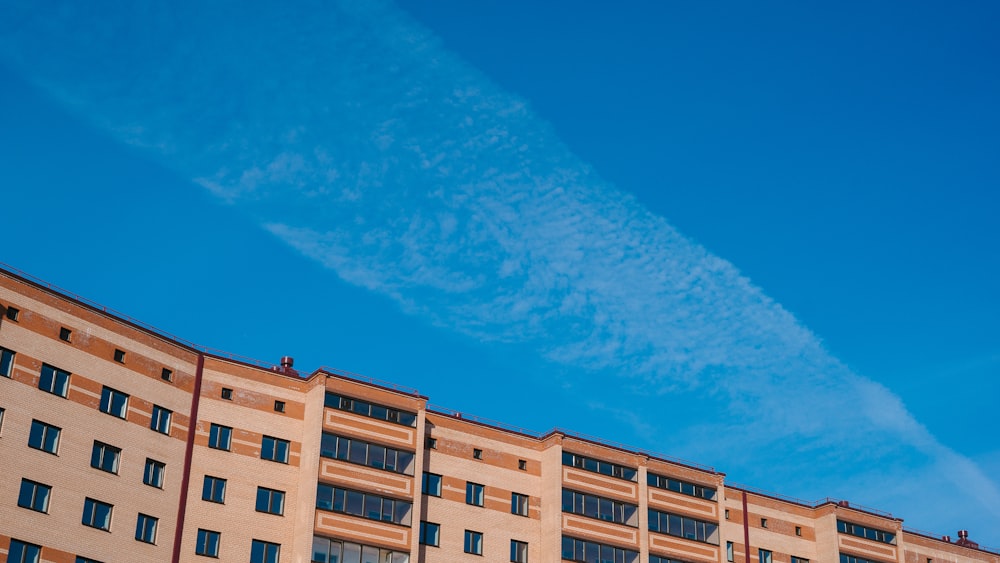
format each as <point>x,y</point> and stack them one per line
<point>121,443</point>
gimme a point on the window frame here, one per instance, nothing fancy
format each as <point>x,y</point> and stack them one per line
<point>153,473</point>
<point>46,429</point>
<point>213,489</point>
<point>110,398</point>
<point>12,313</point>
<point>427,528</point>
<point>203,543</point>
<point>600,466</point>
<point>268,552</point>
<point>430,479</point>
<point>101,452</point>
<point>218,433</point>
<point>54,380</point>
<point>364,505</point>
<point>519,504</point>
<point>161,419</point>
<point>7,362</point>
<point>475,494</point>
<point>517,548</point>
<point>376,411</point>
<point>145,528</point>
<point>274,448</point>
<point>473,542</point>
<point>765,556</point>
<point>26,552</point>
<point>269,495</point>
<point>347,449</point>
<point>35,502</point>
<point>90,505</point>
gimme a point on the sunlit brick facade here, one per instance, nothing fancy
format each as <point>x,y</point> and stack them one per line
<point>119,443</point>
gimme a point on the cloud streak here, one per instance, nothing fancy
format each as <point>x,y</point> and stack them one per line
<point>355,137</point>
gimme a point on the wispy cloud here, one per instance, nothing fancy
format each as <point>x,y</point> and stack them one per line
<point>354,136</point>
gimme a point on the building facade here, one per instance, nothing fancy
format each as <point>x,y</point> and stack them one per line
<point>119,443</point>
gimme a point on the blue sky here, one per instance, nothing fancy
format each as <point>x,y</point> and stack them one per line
<point>758,237</point>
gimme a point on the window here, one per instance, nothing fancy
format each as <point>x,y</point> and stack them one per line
<point>153,474</point>
<point>213,489</point>
<point>120,356</point>
<point>601,508</point>
<point>473,542</point>
<point>44,437</point>
<point>114,402</point>
<point>764,556</point>
<point>371,410</point>
<point>82,559</point>
<point>522,464</point>
<point>2,411</point>
<point>363,453</point>
<point>432,443</point>
<point>167,375</point>
<point>220,437</point>
<point>683,527</point>
<point>20,552</point>
<point>97,514</point>
<point>477,453</point>
<point>325,550</point>
<point>6,362</point>
<point>161,420</point>
<point>866,532</point>
<point>365,505</point>
<point>661,559</point>
<point>264,552</point>
<point>844,558</point>
<point>145,528</point>
<point>274,449</point>
<point>279,406</point>
<point>590,552</point>
<point>763,522</point>
<point>798,530</point>
<point>432,484</point>
<point>54,380</point>
<point>598,466</point>
<point>270,501</point>
<point>678,486</point>
<point>227,393</point>
<point>207,543</point>
<point>12,313</point>
<point>105,457</point>
<point>34,496</point>
<point>430,533</point>
<point>519,504</point>
<point>64,334</point>
<point>474,494</point>
<point>801,560</point>
<point>729,552</point>
<point>727,514</point>
<point>518,551</point>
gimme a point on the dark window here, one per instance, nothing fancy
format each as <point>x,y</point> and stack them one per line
<point>161,420</point>
<point>366,505</point>
<point>220,437</point>
<point>593,506</point>
<point>120,358</point>
<point>518,551</point>
<point>364,453</point>
<point>866,532</point>
<point>20,552</point>
<point>763,522</point>
<point>474,494</point>
<point>430,533</point>
<point>65,333</point>
<point>522,464</point>
<point>844,558</point>
<point>153,474</point>
<point>274,449</point>
<point>432,484</point>
<point>591,552</point>
<point>678,486</point>
<point>659,559</point>
<point>270,501</point>
<point>105,457</point>
<point>264,552</point>
<point>729,552</point>
<point>798,530</point>
<point>432,443</point>
<point>166,375</point>
<point>371,410</point>
<point>801,560</point>
<point>473,542</point>
<point>325,550</point>
<point>279,406</point>
<point>54,380</point>
<point>477,453</point>
<point>2,411</point>
<point>13,313</point>
<point>213,489</point>
<point>44,437</point>
<point>114,402</point>
<point>683,527</point>
<point>227,393</point>
<point>207,543</point>
<point>598,466</point>
<point>519,504</point>
<point>97,514</point>
<point>145,528</point>
<point>6,362</point>
<point>34,496</point>
<point>764,556</point>
<point>82,559</point>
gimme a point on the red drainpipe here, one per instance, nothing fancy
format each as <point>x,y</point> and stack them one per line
<point>188,452</point>
<point>746,528</point>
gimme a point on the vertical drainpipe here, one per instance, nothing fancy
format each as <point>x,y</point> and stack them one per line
<point>746,528</point>
<point>188,452</point>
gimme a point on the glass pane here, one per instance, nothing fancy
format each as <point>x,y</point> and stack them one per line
<point>359,452</point>
<point>373,507</point>
<point>355,503</point>
<point>320,550</point>
<point>352,553</point>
